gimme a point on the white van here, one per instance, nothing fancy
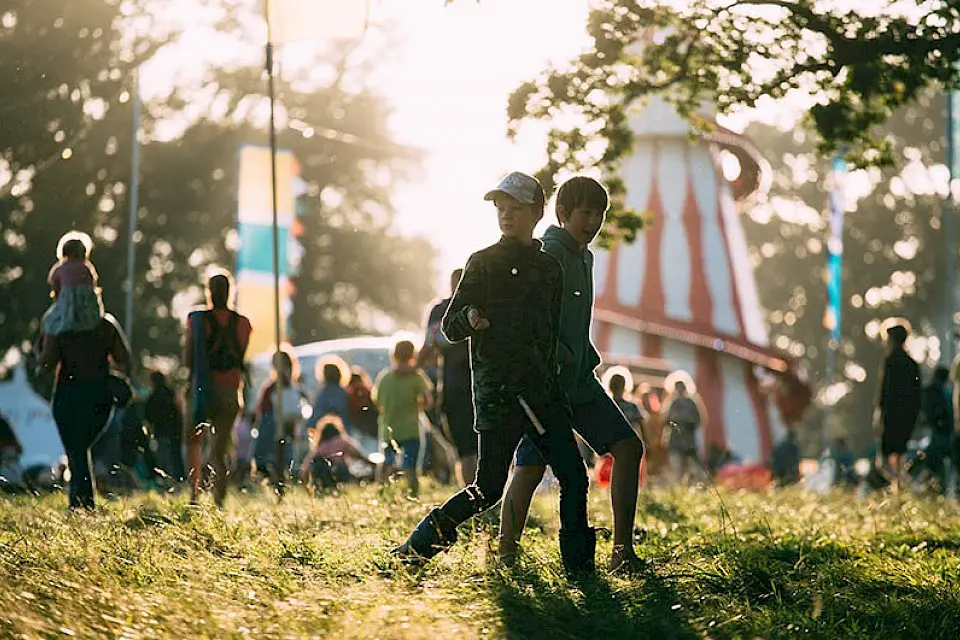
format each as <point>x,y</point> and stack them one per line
<point>371,353</point>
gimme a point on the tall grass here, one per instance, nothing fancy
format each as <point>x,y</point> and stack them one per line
<point>769,565</point>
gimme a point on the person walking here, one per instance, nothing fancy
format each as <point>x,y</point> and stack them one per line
<point>899,400</point>
<point>214,349</point>
<point>83,398</point>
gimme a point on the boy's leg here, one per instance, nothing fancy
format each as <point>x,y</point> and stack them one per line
<point>438,530</point>
<point>558,446</point>
<point>458,415</point>
<point>604,427</point>
<point>624,488</point>
<point>411,454</point>
<point>527,474</point>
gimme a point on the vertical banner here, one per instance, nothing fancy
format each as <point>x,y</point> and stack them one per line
<point>949,213</point>
<point>831,317</point>
<point>254,270</point>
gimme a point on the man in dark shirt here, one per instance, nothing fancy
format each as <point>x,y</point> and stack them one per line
<point>454,400</point>
<point>938,409</point>
<point>163,413</point>
<point>898,404</point>
<point>508,305</point>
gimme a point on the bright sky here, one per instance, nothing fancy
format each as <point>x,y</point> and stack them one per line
<point>449,84</point>
<point>447,79</point>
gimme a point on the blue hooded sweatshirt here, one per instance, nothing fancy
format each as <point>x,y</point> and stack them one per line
<point>578,357</point>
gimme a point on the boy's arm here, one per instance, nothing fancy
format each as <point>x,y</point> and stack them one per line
<point>456,324</point>
<point>556,309</point>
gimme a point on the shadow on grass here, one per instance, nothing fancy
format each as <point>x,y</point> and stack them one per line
<point>537,603</point>
<point>666,513</point>
<point>771,589</point>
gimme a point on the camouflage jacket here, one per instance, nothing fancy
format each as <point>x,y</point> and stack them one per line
<point>519,289</point>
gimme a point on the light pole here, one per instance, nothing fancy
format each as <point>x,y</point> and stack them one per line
<point>134,204</point>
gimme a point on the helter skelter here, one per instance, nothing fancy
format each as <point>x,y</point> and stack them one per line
<point>685,292</point>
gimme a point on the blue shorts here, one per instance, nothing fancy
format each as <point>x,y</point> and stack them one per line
<point>410,450</point>
<point>598,421</point>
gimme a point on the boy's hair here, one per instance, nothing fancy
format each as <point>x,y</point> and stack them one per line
<point>329,431</point>
<point>74,244</point>
<point>403,352</point>
<point>582,191</point>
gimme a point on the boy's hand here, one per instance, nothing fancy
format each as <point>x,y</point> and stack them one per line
<point>476,320</point>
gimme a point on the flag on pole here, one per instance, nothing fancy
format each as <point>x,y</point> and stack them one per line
<point>831,316</point>
<point>300,20</point>
<point>254,268</point>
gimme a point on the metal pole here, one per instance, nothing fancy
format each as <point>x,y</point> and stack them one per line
<point>950,251</point>
<point>134,201</point>
<point>279,468</point>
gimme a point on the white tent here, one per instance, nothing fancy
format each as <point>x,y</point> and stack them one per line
<point>31,419</point>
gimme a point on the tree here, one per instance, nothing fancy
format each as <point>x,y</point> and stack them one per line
<point>66,146</point>
<point>859,66</point>
<point>65,120</point>
<point>354,267</point>
<point>893,255</point>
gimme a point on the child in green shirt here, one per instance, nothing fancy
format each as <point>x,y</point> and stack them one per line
<point>401,393</point>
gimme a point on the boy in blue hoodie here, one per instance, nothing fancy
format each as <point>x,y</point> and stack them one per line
<point>581,207</point>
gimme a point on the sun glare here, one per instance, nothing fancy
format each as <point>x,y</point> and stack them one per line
<point>449,84</point>
<point>447,79</point>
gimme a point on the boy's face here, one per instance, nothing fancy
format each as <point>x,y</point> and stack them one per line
<point>516,219</point>
<point>583,223</point>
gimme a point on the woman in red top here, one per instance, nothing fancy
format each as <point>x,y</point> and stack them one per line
<point>214,351</point>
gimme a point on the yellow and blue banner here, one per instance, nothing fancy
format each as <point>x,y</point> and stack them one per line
<point>254,268</point>
<point>831,317</point>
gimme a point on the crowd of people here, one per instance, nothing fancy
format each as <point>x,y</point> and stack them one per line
<point>507,375</point>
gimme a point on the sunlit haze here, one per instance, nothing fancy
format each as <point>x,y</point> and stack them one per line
<point>447,79</point>
<point>449,83</point>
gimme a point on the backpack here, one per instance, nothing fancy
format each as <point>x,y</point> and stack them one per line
<point>684,411</point>
<point>223,347</point>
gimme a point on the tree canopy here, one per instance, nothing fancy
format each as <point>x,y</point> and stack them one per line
<point>854,63</point>
<point>893,265</point>
<point>66,119</point>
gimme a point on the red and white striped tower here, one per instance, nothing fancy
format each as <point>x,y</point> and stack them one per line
<point>685,292</point>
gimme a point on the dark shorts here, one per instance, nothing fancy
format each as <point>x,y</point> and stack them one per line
<point>894,443</point>
<point>458,416</point>
<point>409,449</point>
<point>599,422</point>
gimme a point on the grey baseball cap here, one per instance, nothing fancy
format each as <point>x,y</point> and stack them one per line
<point>522,187</point>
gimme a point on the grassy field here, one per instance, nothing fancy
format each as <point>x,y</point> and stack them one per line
<point>770,565</point>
